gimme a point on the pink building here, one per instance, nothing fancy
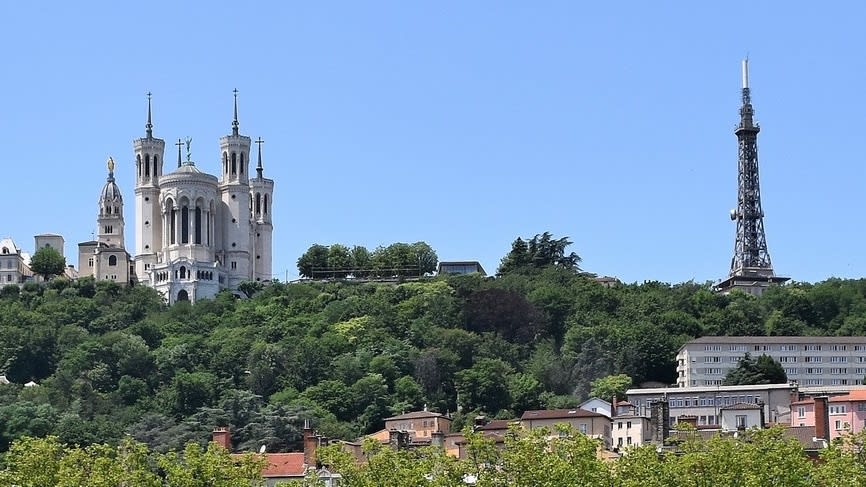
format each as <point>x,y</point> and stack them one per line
<point>833,416</point>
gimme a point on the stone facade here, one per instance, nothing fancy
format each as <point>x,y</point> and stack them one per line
<point>196,233</point>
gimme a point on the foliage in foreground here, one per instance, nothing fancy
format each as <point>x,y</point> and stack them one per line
<point>564,458</point>
<point>41,462</point>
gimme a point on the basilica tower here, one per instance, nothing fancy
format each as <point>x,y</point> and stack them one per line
<point>234,189</point>
<point>262,196</point>
<point>149,152</point>
<point>109,221</point>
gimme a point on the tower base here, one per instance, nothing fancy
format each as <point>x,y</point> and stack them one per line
<point>749,283</point>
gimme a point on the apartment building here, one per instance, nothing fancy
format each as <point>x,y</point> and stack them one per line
<point>704,405</point>
<point>810,361</point>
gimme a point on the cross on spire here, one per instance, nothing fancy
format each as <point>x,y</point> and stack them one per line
<point>259,167</point>
<point>149,125</point>
<point>235,123</point>
<point>179,144</point>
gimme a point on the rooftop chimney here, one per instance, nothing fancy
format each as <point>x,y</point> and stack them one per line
<point>310,444</point>
<point>822,420</point>
<point>222,437</point>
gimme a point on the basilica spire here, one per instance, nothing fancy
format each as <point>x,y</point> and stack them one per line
<point>235,124</point>
<point>259,167</point>
<point>149,125</point>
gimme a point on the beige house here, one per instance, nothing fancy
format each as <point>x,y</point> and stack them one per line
<point>594,425</point>
<point>14,264</point>
<point>419,424</point>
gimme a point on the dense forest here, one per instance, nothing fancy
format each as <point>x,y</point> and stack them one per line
<point>111,361</point>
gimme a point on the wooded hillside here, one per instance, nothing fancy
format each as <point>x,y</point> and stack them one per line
<point>111,360</point>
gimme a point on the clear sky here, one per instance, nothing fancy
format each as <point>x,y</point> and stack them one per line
<point>464,124</point>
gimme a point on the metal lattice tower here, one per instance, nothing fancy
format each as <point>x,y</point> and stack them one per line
<point>751,266</point>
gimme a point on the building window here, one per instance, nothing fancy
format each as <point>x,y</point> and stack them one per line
<point>8,277</point>
<point>90,262</point>
<point>582,428</point>
<point>801,412</point>
<point>741,421</point>
<point>173,226</point>
<point>266,204</point>
<point>619,425</point>
<point>234,163</point>
<point>112,260</point>
<point>234,265</point>
<point>184,225</point>
<point>628,440</point>
<point>198,225</point>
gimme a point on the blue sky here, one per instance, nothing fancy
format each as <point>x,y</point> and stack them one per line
<point>463,124</point>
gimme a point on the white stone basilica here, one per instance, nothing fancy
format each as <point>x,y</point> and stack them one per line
<point>196,233</point>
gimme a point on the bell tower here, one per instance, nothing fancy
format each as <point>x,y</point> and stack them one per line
<point>262,196</point>
<point>149,152</point>
<point>110,220</point>
<point>234,189</point>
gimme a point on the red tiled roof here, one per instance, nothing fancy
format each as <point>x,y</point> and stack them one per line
<point>560,414</point>
<point>853,395</point>
<point>282,464</point>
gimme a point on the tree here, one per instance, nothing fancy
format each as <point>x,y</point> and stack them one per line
<point>47,262</point>
<point>314,260</point>
<point>484,386</point>
<point>749,371</point>
<point>250,288</point>
<point>539,252</point>
<point>610,387</point>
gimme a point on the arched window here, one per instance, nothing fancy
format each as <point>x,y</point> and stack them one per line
<point>234,163</point>
<point>147,165</point>
<point>184,224</point>
<point>5,250</point>
<point>182,295</point>
<point>112,260</point>
<point>173,225</point>
<point>242,162</point>
<point>197,225</point>
<point>138,163</point>
<point>225,162</point>
<point>183,272</point>
<point>266,203</point>
<point>258,203</point>
<point>155,165</point>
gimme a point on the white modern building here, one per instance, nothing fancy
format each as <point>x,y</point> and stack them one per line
<point>809,361</point>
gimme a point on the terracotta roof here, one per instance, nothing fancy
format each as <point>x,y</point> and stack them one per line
<point>417,415</point>
<point>742,406</point>
<point>560,414</point>
<point>284,465</point>
<point>853,395</point>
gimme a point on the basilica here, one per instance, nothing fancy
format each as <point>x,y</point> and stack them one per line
<point>195,233</point>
